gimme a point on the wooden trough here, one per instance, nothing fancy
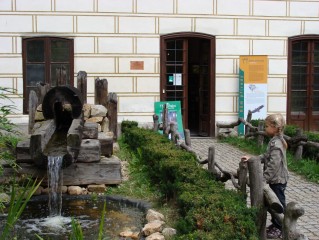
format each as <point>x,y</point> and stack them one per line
<point>87,148</point>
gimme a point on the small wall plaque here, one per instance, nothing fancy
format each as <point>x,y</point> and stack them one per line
<point>137,65</point>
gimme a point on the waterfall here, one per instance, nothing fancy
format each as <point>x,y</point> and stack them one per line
<point>55,180</point>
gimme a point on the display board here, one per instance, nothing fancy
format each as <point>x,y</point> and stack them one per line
<point>253,71</point>
<point>174,114</point>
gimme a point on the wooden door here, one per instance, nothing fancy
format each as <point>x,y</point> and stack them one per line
<point>303,83</point>
<point>174,79</point>
<point>190,58</point>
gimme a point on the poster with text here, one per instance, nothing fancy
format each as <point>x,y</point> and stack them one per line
<point>253,71</point>
<point>174,114</point>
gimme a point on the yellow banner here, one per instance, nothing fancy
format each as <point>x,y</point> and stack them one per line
<point>255,68</point>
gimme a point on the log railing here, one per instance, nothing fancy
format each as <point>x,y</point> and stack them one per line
<point>296,144</point>
<point>261,196</point>
<point>248,174</point>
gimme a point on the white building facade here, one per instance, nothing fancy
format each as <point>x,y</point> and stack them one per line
<point>130,43</point>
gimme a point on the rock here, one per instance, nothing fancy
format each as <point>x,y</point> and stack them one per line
<point>39,108</point>
<point>129,234</point>
<point>106,141</point>
<point>98,111</point>
<point>39,116</point>
<point>152,215</point>
<point>90,130</point>
<point>105,125</point>
<point>95,119</point>
<point>74,190</point>
<point>90,151</point>
<point>85,191</point>
<point>64,189</point>
<point>116,147</point>
<point>4,198</point>
<point>97,188</point>
<point>169,232</point>
<point>155,236</point>
<point>152,227</point>
<point>86,110</point>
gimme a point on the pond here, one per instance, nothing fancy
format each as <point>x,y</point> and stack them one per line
<point>121,215</point>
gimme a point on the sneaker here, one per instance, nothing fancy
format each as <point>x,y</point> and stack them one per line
<point>273,233</point>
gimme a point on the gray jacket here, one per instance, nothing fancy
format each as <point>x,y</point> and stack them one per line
<point>275,162</point>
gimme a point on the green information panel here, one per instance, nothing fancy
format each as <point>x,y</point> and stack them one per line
<point>174,114</point>
<point>241,127</point>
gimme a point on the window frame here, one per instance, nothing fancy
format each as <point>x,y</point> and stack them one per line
<point>307,123</point>
<point>47,63</point>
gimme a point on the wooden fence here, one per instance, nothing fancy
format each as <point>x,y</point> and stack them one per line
<point>248,174</point>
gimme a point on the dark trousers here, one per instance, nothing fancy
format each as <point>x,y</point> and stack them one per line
<point>279,190</point>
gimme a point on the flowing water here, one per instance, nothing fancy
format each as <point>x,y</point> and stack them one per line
<point>48,218</point>
<point>55,182</point>
<point>86,210</point>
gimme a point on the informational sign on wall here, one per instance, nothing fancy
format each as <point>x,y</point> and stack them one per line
<point>174,114</point>
<point>175,79</point>
<point>253,71</point>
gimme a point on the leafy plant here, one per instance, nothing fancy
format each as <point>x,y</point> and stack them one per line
<point>76,233</point>
<point>8,134</point>
<point>100,237</point>
<point>18,202</point>
<point>5,124</point>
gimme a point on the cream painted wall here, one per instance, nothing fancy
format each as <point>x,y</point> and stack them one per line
<point>109,34</point>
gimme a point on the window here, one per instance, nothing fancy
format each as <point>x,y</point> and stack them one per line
<point>46,60</point>
<point>303,82</point>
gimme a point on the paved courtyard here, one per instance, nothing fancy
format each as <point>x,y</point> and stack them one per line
<point>298,189</point>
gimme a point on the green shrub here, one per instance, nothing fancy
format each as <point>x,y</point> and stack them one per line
<point>207,210</point>
<point>127,125</point>
<point>290,130</point>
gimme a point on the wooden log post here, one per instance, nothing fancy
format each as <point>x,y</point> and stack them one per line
<point>292,212</point>
<point>82,84</point>
<point>248,119</point>
<point>211,161</point>
<point>74,138</point>
<point>272,200</point>
<point>260,138</point>
<point>42,89</point>
<point>187,134</point>
<point>101,92</point>
<point>233,124</point>
<point>299,148</point>
<point>165,120</point>
<point>242,177</point>
<point>155,123</point>
<point>257,195</point>
<point>33,104</point>
<point>112,112</point>
<point>38,141</point>
<point>173,131</point>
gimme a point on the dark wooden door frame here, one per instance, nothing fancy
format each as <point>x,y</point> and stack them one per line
<point>308,117</point>
<point>188,35</point>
